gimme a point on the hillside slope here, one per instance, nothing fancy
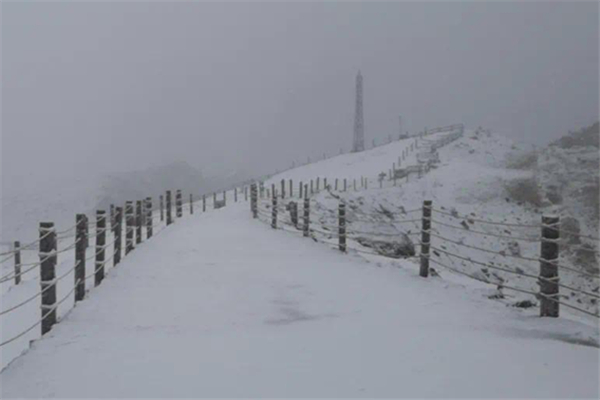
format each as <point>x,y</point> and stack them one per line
<point>474,181</point>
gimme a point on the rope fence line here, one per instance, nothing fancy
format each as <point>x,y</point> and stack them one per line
<point>469,218</point>
<point>111,236</point>
<point>548,282</point>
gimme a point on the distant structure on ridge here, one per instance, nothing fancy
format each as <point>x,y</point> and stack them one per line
<point>359,127</point>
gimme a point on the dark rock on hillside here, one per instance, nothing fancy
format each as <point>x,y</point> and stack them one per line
<point>400,247</point>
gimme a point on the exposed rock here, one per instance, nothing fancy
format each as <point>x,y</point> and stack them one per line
<point>514,248</point>
<point>524,304</point>
<point>399,247</point>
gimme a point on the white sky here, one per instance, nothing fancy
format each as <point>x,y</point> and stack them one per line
<point>97,87</point>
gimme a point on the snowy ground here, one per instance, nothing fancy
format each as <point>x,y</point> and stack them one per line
<point>222,305</point>
<point>469,180</point>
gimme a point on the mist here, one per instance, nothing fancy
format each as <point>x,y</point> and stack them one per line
<point>96,88</point>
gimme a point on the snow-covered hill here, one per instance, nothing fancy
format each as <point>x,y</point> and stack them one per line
<point>475,180</point>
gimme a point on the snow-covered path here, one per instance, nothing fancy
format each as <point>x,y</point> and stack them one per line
<point>222,306</point>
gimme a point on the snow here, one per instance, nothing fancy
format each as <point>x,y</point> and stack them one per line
<point>471,180</point>
<point>221,305</point>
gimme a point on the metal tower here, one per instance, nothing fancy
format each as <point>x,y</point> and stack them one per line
<point>359,128</point>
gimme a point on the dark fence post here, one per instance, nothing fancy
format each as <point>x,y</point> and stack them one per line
<point>301,186</point>
<point>336,184</point>
<point>169,209</point>
<point>130,224</point>
<point>235,194</point>
<point>203,203</point>
<point>17,262</point>
<point>79,275</point>
<point>224,198</point>
<point>325,183</point>
<point>425,238</point>
<point>345,184</point>
<point>549,306</point>
<point>245,193</point>
<point>100,243</point>
<point>283,188</point>
<point>254,200</point>
<point>191,204</point>
<point>179,203</point>
<point>318,183</point>
<point>214,200</point>
<point>311,187</point>
<point>149,219</point>
<point>162,205</point>
<point>118,236</point>
<point>138,222</point>
<point>274,212</point>
<point>291,189</point>
<point>112,217</point>
<point>306,216</point>
<point>48,256</point>
<point>294,213</point>
<point>342,227</point>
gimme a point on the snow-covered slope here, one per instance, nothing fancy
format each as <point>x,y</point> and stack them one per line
<point>472,181</point>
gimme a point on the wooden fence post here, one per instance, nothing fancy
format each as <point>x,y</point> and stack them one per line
<point>235,194</point>
<point>274,211</point>
<point>311,187</point>
<point>336,184</point>
<point>79,274</point>
<point>112,217</point>
<point>224,198</point>
<point>301,186</point>
<point>425,238</point>
<point>138,222</point>
<point>306,216</point>
<point>100,244</point>
<point>345,184</point>
<point>325,183</point>
<point>47,255</point>
<point>214,200</point>
<point>149,221</point>
<point>254,201</point>
<point>169,209</point>
<point>549,306</point>
<point>203,203</point>
<point>118,235</point>
<point>245,193</point>
<point>179,203</point>
<point>162,213</point>
<point>306,190</point>
<point>17,262</point>
<point>192,204</point>
<point>283,188</point>
<point>318,183</point>
<point>294,213</point>
<point>130,223</point>
<point>291,189</point>
<point>342,227</point>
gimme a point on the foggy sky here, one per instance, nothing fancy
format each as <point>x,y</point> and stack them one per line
<point>99,87</point>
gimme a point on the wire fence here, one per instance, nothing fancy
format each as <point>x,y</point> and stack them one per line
<point>368,233</point>
<point>113,233</point>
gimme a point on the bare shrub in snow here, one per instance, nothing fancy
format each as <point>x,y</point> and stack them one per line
<point>527,161</point>
<point>525,190</point>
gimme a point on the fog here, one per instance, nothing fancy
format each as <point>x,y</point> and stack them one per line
<point>117,86</point>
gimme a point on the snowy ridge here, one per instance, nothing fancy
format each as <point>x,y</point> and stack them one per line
<point>468,189</point>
